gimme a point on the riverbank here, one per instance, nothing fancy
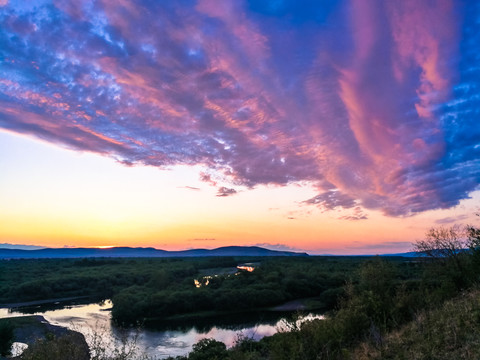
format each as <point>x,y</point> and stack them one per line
<point>41,302</point>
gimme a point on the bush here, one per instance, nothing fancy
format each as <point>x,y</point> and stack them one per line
<point>208,349</point>
<point>6,337</point>
<point>66,347</point>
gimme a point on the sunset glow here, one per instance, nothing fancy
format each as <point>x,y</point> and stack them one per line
<point>331,127</point>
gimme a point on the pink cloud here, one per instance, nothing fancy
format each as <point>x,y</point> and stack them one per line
<point>356,104</point>
<point>424,34</point>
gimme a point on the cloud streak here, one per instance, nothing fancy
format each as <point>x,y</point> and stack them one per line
<point>373,105</point>
<point>224,191</point>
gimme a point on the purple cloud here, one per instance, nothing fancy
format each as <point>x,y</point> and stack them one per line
<point>357,214</point>
<point>330,200</point>
<point>190,188</point>
<point>278,247</point>
<point>374,105</point>
<point>20,247</point>
<point>224,191</point>
<point>450,219</point>
<point>392,245</point>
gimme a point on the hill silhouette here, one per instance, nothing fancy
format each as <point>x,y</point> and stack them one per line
<point>141,252</point>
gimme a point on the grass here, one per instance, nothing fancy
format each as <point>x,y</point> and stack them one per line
<point>452,331</point>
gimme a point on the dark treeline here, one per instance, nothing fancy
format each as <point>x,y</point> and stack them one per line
<point>39,279</point>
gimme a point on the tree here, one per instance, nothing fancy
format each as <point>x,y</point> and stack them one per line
<point>447,244</point>
<point>455,247</point>
<point>473,234</point>
<point>208,349</point>
<point>6,337</point>
<point>442,242</point>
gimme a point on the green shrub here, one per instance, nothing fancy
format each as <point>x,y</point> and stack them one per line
<point>6,337</point>
<point>208,349</point>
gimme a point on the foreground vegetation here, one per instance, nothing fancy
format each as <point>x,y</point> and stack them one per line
<point>451,331</point>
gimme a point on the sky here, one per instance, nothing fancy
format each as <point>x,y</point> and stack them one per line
<point>331,127</point>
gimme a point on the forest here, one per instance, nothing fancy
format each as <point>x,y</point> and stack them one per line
<point>143,290</point>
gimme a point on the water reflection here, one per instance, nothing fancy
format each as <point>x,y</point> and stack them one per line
<point>158,340</point>
<point>17,349</point>
<point>229,321</point>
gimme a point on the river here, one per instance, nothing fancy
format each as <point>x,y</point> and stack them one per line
<point>94,321</point>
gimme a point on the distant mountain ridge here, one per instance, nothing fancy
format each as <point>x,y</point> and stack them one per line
<point>141,252</point>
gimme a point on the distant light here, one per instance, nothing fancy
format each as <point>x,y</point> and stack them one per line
<point>203,281</point>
